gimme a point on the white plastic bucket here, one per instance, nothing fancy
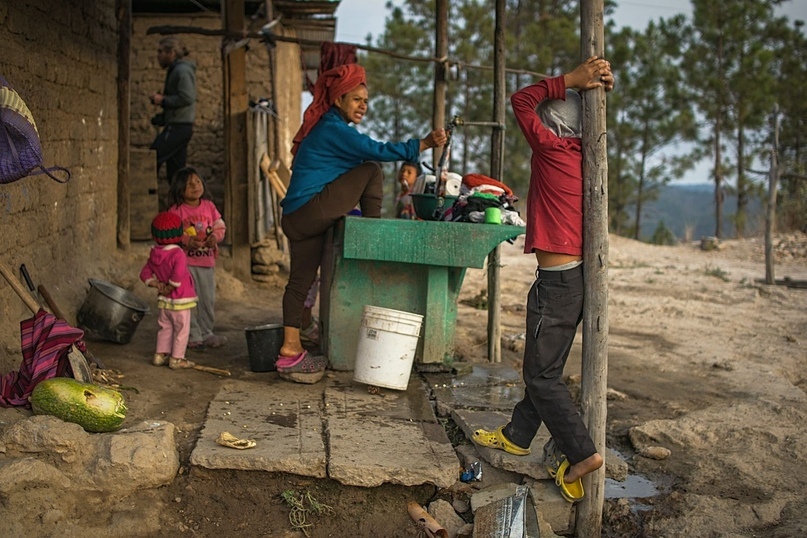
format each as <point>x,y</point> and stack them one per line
<point>388,340</point>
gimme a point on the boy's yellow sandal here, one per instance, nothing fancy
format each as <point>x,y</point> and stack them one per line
<point>496,439</point>
<point>557,465</point>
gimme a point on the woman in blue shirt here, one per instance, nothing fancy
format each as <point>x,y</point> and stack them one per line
<point>335,168</point>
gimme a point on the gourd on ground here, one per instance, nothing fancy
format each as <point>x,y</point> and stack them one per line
<point>93,407</point>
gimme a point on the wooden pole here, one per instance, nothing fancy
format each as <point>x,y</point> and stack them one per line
<point>123,10</point>
<point>440,82</point>
<point>595,256</point>
<point>236,103</point>
<point>773,185</point>
<point>496,166</point>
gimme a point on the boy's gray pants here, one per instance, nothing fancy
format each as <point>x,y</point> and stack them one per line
<point>554,310</point>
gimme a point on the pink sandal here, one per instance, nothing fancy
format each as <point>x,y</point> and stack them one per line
<point>301,363</point>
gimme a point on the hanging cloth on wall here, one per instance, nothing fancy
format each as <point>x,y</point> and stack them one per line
<point>20,150</point>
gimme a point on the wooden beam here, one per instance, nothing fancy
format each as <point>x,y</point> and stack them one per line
<point>236,181</point>
<point>496,170</point>
<point>440,81</point>
<point>123,11</point>
<point>773,185</point>
<point>595,256</point>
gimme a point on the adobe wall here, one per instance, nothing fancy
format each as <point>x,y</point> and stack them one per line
<point>60,56</point>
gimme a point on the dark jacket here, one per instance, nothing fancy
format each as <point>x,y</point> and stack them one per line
<point>179,102</point>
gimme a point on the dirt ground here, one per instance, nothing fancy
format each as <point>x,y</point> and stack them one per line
<point>707,362</point>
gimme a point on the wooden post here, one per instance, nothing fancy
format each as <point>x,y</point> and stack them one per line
<point>773,185</point>
<point>440,82</point>
<point>595,256</point>
<point>123,10</point>
<point>496,166</point>
<point>236,103</point>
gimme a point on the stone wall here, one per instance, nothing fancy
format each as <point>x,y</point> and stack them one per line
<point>61,57</point>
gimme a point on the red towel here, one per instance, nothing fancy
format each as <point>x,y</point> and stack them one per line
<point>330,85</point>
<point>474,180</point>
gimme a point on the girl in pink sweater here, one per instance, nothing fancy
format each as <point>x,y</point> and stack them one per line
<point>203,230</point>
<point>167,270</point>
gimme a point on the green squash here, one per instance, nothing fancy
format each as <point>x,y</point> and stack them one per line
<point>94,408</point>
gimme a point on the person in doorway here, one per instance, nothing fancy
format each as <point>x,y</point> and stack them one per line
<point>178,103</point>
<point>335,168</point>
<point>407,175</point>
<point>203,229</point>
<point>167,270</point>
<point>549,115</point>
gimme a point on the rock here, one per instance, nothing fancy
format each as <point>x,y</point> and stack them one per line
<point>444,513</point>
<point>492,494</point>
<point>260,269</point>
<point>616,468</point>
<point>67,457</point>
<point>460,506</point>
<point>466,531</point>
<point>710,243</point>
<point>267,255</point>
<point>554,510</point>
<point>655,453</point>
<point>613,394</point>
<point>308,379</point>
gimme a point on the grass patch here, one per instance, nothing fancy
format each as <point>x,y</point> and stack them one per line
<point>716,272</point>
<point>302,506</point>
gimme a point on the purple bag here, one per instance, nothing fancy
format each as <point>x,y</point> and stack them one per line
<point>20,150</point>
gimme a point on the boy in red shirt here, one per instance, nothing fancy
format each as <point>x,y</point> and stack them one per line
<point>549,115</point>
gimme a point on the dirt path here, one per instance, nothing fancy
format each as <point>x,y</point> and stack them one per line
<point>712,363</point>
<point>713,366</point>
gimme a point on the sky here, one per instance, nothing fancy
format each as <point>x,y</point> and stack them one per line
<point>358,18</point>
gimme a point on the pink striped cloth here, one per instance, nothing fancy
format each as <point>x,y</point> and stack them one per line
<point>45,341</point>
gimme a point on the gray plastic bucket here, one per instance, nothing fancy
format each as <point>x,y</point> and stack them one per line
<point>263,345</point>
<point>110,312</point>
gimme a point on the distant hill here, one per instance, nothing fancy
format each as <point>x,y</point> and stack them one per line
<point>683,207</point>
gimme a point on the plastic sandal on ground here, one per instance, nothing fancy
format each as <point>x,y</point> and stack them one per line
<point>285,362</point>
<point>303,363</point>
<point>180,364</point>
<point>571,492</point>
<point>496,439</point>
<point>159,359</point>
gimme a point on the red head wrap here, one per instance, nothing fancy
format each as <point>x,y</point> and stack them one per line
<point>331,85</point>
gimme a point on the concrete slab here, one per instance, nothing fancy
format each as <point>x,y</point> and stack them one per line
<point>486,386</point>
<point>349,397</point>
<point>494,398</point>
<point>480,375</point>
<point>387,437</point>
<point>285,419</point>
<point>530,465</point>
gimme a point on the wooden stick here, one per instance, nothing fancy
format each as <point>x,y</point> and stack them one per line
<point>272,176</point>
<point>15,284</point>
<point>211,370</point>
<point>50,302</point>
